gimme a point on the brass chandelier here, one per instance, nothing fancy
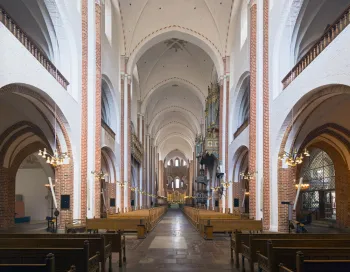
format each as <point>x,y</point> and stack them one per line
<point>56,159</point>
<point>294,158</point>
<point>99,175</point>
<point>247,176</point>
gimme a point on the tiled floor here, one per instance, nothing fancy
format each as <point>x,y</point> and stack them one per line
<point>174,245</point>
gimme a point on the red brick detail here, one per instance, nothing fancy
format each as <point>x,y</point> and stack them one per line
<point>64,186</point>
<point>5,219</point>
<point>98,125</point>
<point>112,193</point>
<point>84,110</point>
<point>286,192</point>
<point>252,117</point>
<point>122,150</point>
<point>266,121</point>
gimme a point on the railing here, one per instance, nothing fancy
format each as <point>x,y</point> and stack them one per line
<point>31,46</point>
<point>240,129</point>
<point>330,34</point>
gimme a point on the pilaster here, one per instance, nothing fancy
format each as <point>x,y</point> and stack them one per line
<point>84,110</point>
<point>266,121</point>
<point>252,116</point>
<point>98,109</point>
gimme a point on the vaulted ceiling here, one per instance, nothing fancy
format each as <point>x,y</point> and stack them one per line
<point>174,71</point>
<point>209,18</point>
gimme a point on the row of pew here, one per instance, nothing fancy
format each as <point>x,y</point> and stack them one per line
<point>209,222</point>
<point>60,252</point>
<point>140,221</point>
<point>274,252</point>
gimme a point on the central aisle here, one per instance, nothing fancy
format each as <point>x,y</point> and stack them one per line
<point>174,245</point>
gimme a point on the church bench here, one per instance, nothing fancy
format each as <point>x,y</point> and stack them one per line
<point>118,224</point>
<point>150,216</point>
<point>286,254</point>
<point>64,257</point>
<point>282,268</point>
<point>95,244</point>
<point>303,265</point>
<point>195,215</point>
<point>208,227</point>
<point>249,244</point>
<point>48,266</point>
<point>117,241</point>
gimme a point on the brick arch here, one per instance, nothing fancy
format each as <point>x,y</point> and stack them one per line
<point>64,174</point>
<point>15,131</point>
<point>286,176</point>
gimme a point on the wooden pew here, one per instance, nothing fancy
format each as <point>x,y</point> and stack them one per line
<point>283,268</point>
<point>64,257</point>
<point>150,217</point>
<point>49,266</point>
<point>117,241</point>
<point>95,245</point>
<point>117,224</point>
<point>251,243</point>
<point>285,251</point>
<point>208,227</point>
<point>237,238</point>
<point>303,265</point>
<point>197,215</point>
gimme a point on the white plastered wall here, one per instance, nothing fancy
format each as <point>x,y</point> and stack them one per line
<point>330,67</point>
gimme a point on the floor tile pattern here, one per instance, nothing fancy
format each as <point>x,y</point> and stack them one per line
<point>174,245</point>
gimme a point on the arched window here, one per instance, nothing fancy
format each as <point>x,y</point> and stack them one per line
<point>177,162</point>
<point>319,173</point>
<point>177,183</point>
<point>108,20</point>
<point>169,162</point>
<point>105,107</point>
<point>184,163</point>
<point>244,23</point>
<point>243,114</point>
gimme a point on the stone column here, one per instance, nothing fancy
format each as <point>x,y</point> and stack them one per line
<point>128,147</point>
<point>148,151</point>
<point>122,140</point>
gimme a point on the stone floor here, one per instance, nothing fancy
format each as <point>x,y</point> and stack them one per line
<point>174,245</point>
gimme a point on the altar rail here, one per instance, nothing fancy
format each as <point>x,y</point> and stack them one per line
<point>329,35</point>
<point>31,46</point>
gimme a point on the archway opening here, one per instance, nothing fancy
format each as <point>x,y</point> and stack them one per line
<point>34,201</point>
<point>319,198</point>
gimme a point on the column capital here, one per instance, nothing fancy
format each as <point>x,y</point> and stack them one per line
<point>251,3</point>
<point>221,79</point>
<point>98,2</point>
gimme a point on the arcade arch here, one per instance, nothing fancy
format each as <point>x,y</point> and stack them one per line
<point>313,126</point>
<point>32,125</point>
